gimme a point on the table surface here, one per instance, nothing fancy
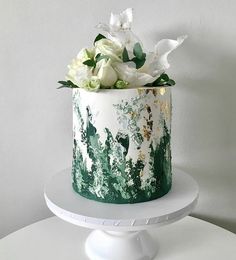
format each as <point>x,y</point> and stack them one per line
<point>68,205</point>
<point>53,238</point>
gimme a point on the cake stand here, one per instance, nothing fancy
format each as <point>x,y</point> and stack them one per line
<point>121,230</point>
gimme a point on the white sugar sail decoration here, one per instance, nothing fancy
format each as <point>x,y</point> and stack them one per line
<point>163,48</point>
<point>119,29</point>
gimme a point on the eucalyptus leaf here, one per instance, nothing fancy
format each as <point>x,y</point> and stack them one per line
<point>139,63</point>
<point>137,51</point>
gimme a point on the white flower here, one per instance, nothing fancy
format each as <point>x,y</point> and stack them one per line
<point>92,84</point>
<point>109,70</point>
<point>109,48</point>
<point>78,72</point>
<point>119,29</point>
<point>107,74</point>
<point>85,54</point>
<point>156,64</point>
<point>128,73</point>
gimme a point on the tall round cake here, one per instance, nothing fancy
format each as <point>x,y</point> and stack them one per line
<point>122,151</point>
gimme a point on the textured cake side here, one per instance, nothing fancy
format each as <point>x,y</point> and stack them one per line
<point>121,151</point>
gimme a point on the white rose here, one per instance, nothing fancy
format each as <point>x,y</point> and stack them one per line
<point>78,73</point>
<point>73,69</point>
<point>109,48</point>
<point>77,69</point>
<point>107,74</point>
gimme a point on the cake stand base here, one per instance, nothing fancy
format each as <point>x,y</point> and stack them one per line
<point>122,245</point>
<point>120,229</point>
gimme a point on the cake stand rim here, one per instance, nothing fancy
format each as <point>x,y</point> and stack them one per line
<point>124,224</point>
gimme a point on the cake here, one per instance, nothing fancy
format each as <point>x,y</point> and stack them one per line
<point>121,151</point>
<point>121,116</point>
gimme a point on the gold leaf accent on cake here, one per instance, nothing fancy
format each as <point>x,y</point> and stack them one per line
<point>165,109</point>
<point>156,103</point>
<point>154,92</point>
<point>141,156</point>
<point>162,91</point>
<point>141,174</point>
<point>133,114</point>
<point>140,91</point>
<point>146,133</point>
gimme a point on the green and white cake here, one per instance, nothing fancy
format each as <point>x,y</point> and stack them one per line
<point>122,144</point>
<point>121,116</point>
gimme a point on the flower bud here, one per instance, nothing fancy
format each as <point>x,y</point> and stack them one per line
<point>92,84</point>
<point>107,75</point>
<point>121,84</point>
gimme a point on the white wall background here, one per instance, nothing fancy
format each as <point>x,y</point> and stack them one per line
<point>38,38</point>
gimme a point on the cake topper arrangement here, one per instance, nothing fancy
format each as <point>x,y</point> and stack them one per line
<point>118,60</point>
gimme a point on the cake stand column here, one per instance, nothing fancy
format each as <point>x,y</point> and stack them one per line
<point>112,245</point>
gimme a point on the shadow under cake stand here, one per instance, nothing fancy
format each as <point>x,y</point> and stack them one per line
<point>121,230</point>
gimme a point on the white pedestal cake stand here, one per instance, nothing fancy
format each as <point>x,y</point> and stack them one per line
<point>120,229</point>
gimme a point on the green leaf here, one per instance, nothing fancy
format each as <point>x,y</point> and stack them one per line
<point>171,82</point>
<point>139,63</point>
<point>137,51</point>
<point>101,57</point>
<point>99,37</point>
<point>67,84</point>
<point>90,63</point>
<point>163,80</point>
<point>97,56</point>
<point>165,77</point>
<point>63,86</point>
<point>125,55</point>
<point>64,82</point>
<point>140,56</point>
<point>159,81</point>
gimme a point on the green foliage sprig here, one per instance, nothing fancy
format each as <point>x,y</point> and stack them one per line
<point>67,84</point>
<point>163,80</point>
<point>93,62</point>
<point>139,56</point>
<point>139,60</point>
